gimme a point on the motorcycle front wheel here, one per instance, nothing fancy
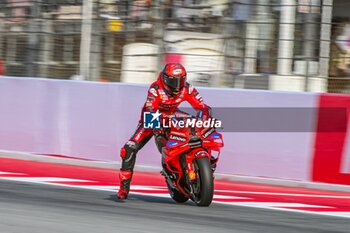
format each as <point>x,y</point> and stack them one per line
<point>176,195</point>
<point>204,186</point>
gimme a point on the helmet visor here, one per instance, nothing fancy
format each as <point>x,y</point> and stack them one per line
<point>175,83</point>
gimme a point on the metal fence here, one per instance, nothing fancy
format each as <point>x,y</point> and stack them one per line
<point>300,45</point>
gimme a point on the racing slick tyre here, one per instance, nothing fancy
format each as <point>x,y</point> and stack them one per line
<point>204,187</point>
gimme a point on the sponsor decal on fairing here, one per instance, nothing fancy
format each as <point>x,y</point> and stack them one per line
<point>171,143</point>
<point>206,134</point>
<point>178,138</point>
<point>199,153</point>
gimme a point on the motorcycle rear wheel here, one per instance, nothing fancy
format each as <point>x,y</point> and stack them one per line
<point>204,184</point>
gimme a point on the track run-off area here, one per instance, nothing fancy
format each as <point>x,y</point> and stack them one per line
<point>39,196</point>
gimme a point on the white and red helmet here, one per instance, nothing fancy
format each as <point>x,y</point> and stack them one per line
<point>174,77</point>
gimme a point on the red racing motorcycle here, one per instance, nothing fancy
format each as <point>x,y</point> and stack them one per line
<point>189,157</point>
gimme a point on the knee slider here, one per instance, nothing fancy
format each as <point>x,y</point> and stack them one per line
<point>128,154</point>
<point>129,148</point>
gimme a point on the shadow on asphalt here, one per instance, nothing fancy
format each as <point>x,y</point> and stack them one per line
<point>148,199</point>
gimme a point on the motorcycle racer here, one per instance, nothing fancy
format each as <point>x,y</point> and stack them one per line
<point>164,95</point>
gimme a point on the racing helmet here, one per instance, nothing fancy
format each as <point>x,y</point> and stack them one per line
<point>173,76</point>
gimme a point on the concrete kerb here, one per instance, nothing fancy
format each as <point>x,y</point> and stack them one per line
<point>284,182</point>
<point>143,168</point>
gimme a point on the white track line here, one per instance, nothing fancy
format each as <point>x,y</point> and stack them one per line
<point>280,205</point>
<point>10,173</point>
<point>231,197</point>
<point>45,179</point>
<point>141,187</point>
<point>284,194</point>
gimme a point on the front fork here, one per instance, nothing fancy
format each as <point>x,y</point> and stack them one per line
<point>189,169</point>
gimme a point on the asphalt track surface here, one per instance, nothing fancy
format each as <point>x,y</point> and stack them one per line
<point>39,208</point>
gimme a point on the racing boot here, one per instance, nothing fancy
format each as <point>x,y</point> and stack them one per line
<point>125,179</point>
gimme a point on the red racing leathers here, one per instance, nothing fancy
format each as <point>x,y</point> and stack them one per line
<point>157,99</point>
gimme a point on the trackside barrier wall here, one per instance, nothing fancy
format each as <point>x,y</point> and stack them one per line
<point>93,120</point>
